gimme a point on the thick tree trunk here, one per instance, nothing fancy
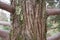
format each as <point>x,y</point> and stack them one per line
<point>33,25</point>
<point>34,20</point>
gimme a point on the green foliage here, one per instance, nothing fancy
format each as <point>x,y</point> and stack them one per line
<point>6,28</point>
<point>49,25</point>
<point>53,22</point>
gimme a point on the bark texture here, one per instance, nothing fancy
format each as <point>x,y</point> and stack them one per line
<point>33,24</point>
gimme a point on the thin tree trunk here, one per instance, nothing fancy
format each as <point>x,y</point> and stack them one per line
<point>34,21</point>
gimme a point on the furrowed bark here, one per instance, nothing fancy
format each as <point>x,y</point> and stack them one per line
<point>34,21</point>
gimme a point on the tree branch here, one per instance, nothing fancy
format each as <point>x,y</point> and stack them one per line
<point>53,11</point>
<point>7,7</point>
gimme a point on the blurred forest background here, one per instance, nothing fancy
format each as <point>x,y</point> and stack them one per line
<point>53,22</point>
<point>4,16</point>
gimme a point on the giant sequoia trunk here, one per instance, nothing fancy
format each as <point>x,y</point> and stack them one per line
<point>30,22</point>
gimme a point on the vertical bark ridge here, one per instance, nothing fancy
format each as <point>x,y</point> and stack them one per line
<point>34,21</point>
<point>35,26</point>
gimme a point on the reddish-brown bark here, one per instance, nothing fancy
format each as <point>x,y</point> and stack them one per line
<point>53,11</point>
<point>6,7</point>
